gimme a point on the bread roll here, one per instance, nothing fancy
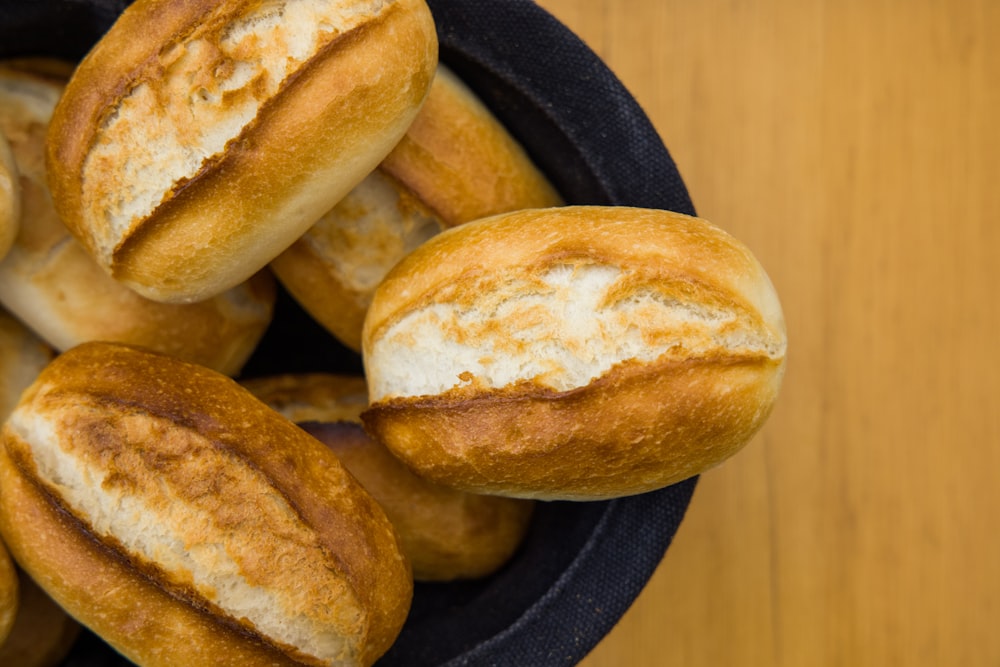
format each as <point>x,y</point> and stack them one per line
<point>10,197</point>
<point>198,140</point>
<point>446,534</point>
<point>456,163</point>
<point>187,523</point>
<point>51,283</point>
<point>572,353</point>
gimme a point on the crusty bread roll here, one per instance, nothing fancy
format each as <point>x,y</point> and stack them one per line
<point>42,633</point>
<point>186,523</point>
<point>198,140</point>
<point>446,534</point>
<point>456,163</point>
<point>51,283</point>
<point>572,353</point>
<point>10,196</point>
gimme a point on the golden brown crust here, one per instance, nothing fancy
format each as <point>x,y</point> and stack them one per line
<point>53,285</point>
<point>152,425</point>
<point>446,534</point>
<point>329,123</point>
<point>455,164</point>
<point>573,353</point>
<point>461,162</point>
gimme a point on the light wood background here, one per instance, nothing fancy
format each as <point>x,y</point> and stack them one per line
<point>854,145</point>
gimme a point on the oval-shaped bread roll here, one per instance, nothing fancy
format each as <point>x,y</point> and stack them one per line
<point>455,164</point>
<point>185,522</point>
<point>446,534</point>
<point>50,282</point>
<point>572,353</point>
<point>198,140</point>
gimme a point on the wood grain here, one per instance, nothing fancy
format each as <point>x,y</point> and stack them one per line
<point>853,145</point>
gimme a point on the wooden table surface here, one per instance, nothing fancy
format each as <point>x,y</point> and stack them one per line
<point>854,146</point>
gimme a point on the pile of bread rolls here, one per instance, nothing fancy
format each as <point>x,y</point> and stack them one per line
<point>155,197</point>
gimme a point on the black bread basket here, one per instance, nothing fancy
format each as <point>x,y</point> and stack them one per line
<point>582,564</point>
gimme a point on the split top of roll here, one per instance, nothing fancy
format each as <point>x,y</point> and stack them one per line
<point>574,352</point>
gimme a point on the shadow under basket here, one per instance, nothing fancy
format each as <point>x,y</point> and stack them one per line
<point>582,564</point>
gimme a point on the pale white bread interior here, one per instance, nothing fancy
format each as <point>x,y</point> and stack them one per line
<point>53,285</point>
<point>223,505</point>
<point>10,196</point>
<point>574,352</point>
<point>446,534</point>
<point>455,163</point>
<point>198,140</point>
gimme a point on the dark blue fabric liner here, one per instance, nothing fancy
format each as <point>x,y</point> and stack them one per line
<point>582,564</point>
